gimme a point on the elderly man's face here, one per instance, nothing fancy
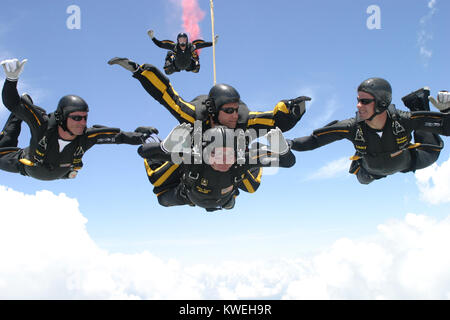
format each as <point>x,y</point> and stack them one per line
<point>221,159</point>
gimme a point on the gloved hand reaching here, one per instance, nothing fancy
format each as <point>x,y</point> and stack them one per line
<point>178,139</point>
<point>13,68</point>
<point>278,143</point>
<point>443,101</point>
<point>146,132</point>
<point>297,106</point>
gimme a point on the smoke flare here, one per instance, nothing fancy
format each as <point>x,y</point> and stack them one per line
<point>192,15</point>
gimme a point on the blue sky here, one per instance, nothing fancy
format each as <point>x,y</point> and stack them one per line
<point>269,51</point>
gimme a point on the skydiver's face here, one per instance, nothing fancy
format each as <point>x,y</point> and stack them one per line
<point>228,115</point>
<point>76,122</point>
<point>366,105</point>
<point>182,41</point>
<point>221,159</point>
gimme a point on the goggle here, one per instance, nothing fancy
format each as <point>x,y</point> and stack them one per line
<point>78,118</point>
<point>365,101</point>
<point>230,110</point>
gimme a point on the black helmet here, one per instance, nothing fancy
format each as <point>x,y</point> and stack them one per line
<point>68,104</point>
<point>182,35</point>
<point>381,91</point>
<point>219,95</point>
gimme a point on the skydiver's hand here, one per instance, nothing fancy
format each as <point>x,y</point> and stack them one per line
<point>178,139</point>
<point>443,101</point>
<point>216,38</point>
<point>146,132</point>
<point>297,106</point>
<point>151,33</point>
<point>13,68</point>
<point>278,143</point>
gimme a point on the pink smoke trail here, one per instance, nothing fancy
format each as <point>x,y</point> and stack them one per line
<point>192,15</point>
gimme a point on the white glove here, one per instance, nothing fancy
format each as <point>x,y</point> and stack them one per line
<point>215,39</point>
<point>443,100</point>
<point>13,68</point>
<point>278,143</point>
<point>151,33</point>
<point>178,139</point>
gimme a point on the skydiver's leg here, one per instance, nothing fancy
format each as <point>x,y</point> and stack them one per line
<point>195,65</point>
<point>424,157</point>
<point>173,197</point>
<point>363,176</point>
<point>166,178</point>
<point>169,64</point>
<point>9,160</point>
<point>230,204</point>
<point>9,136</point>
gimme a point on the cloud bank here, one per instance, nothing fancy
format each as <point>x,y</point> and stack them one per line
<point>47,253</point>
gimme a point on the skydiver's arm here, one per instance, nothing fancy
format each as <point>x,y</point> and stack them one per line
<point>323,136</point>
<point>251,180</point>
<point>105,135</point>
<point>159,87</point>
<point>201,44</point>
<point>34,116</point>
<point>164,44</point>
<point>153,151</point>
<point>285,115</point>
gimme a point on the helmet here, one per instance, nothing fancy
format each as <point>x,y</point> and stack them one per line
<point>219,95</point>
<point>381,91</point>
<point>68,104</point>
<point>182,35</point>
<point>220,136</point>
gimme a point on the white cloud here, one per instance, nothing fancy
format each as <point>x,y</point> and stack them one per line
<point>331,169</point>
<point>434,183</point>
<point>47,253</point>
<point>424,35</point>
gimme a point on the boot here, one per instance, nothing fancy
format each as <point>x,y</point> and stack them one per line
<point>418,100</point>
<point>125,63</point>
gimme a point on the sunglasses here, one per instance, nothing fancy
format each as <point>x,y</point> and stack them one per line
<point>365,101</point>
<point>230,110</point>
<point>78,118</point>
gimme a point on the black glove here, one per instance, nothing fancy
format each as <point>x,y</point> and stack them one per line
<point>297,106</point>
<point>146,132</point>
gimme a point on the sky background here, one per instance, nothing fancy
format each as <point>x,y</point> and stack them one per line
<point>309,232</point>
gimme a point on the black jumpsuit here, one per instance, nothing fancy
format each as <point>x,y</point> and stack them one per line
<point>43,159</point>
<point>377,155</point>
<point>178,59</point>
<point>159,87</point>
<point>202,186</point>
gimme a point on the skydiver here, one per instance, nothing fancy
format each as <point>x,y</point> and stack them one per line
<point>183,54</point>
<point>222,106</point>
<point>381,134</point>
<point>58,140</point>
<point>213,184</point>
